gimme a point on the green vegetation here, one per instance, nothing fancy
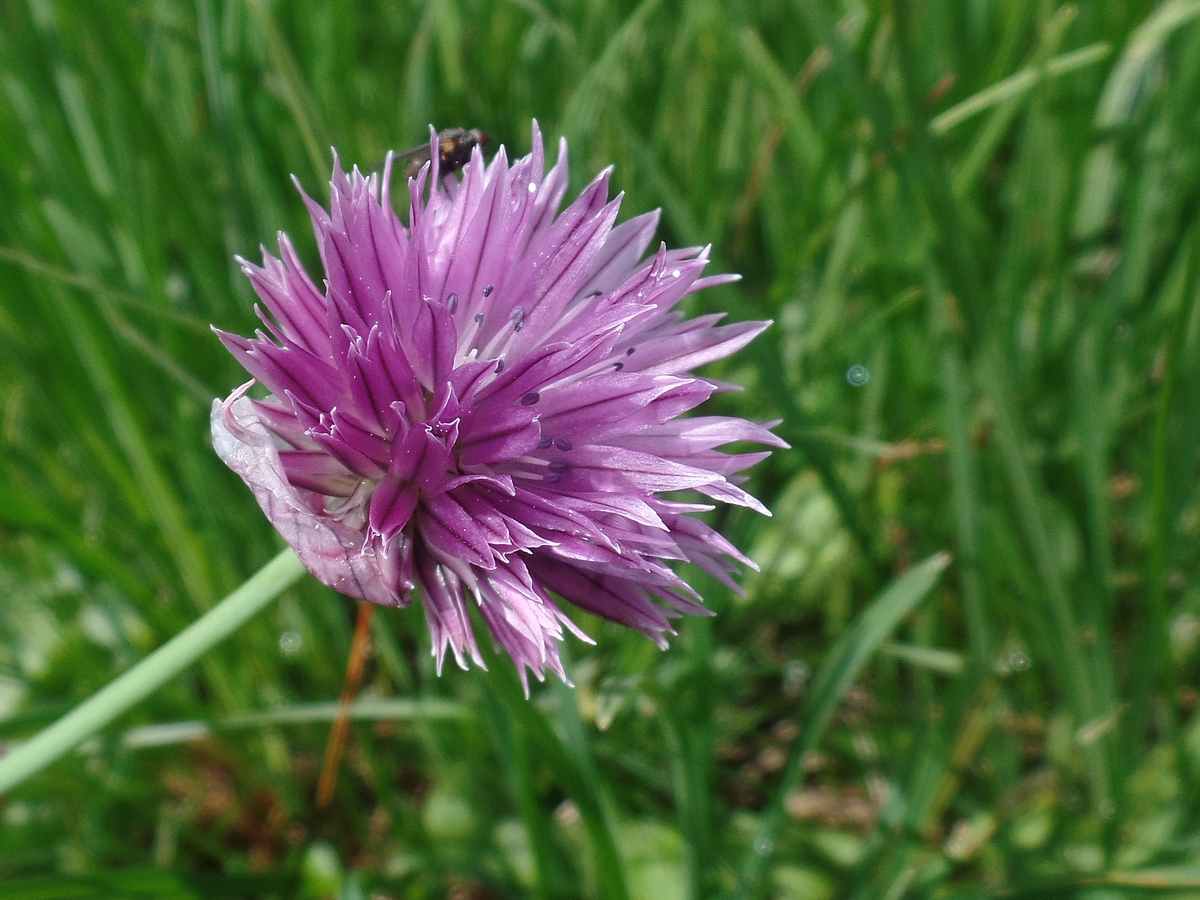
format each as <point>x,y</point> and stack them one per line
<point>967,668</point>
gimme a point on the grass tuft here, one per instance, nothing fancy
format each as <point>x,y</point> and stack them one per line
<point>984,211</point>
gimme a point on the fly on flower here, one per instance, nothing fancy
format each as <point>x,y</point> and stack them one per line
<point>484,409</point>
<point>454,146</point>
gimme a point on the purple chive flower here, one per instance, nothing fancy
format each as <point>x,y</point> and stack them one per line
<point>483,408</point>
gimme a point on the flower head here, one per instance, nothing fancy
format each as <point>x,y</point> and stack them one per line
<point>483,407</point>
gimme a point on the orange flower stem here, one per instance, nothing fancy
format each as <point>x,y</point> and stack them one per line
<point>359,651</point>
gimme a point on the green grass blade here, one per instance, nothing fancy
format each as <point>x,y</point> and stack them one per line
<point>573,768</point>
<point>835,676</point>
<point>969,506</point>
<point>374,709</point>
<point>1016,85</point>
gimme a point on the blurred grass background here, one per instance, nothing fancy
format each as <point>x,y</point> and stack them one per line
<point>974,224</point>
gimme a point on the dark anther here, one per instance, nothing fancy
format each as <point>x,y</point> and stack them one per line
<point>452,303</point>
<point>562,444</point>
<point>531,398</point>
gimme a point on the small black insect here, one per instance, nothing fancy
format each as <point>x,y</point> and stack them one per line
<point>454,151</point>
